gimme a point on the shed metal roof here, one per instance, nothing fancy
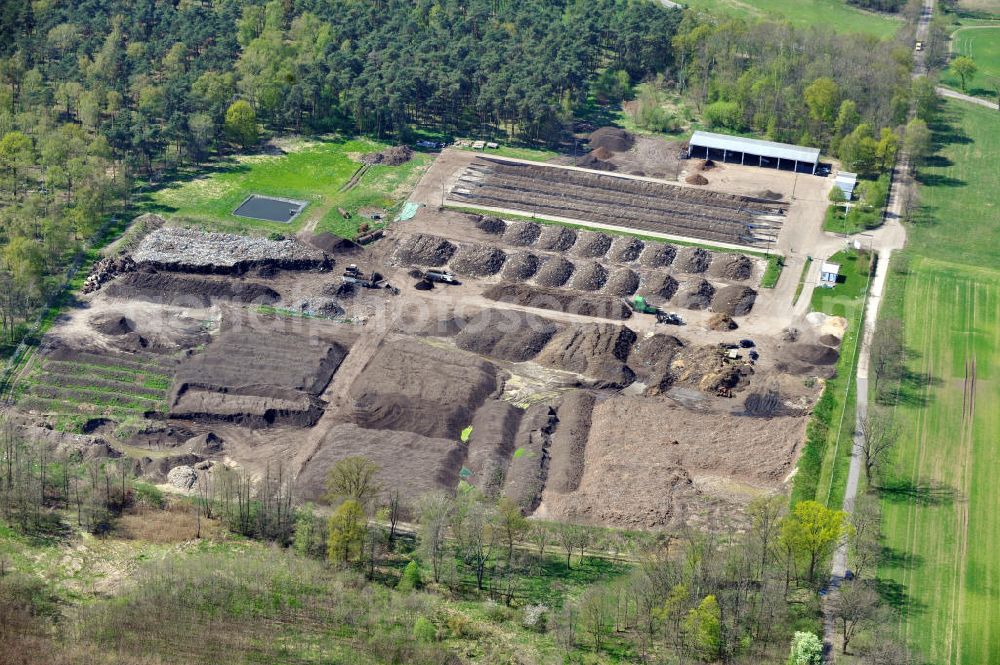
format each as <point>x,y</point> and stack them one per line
<point>833,268</point>
<point>846,182</point>
<point>755,147</point>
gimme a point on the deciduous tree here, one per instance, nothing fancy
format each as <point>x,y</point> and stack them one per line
<point>346,530</point>
<point>812,531</point>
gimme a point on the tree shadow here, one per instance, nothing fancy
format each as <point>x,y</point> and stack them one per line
<point>911,390</point>
<point>939,161</point>
<point>930,493</point>
<point>893,558</point>
<point>938,180</point>
<point>895,596</point>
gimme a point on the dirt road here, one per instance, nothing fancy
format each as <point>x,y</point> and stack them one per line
<point>954,94</point>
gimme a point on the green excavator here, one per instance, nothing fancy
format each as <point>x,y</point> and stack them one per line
<point>639,304</point>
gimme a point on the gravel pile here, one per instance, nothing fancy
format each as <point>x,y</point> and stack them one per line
<point>492,225</point>
<point>732,266</point>
<point>589,277</point>
<point>734,300</point>
<point>696,294</point>
<point>626,249</point>
<point>662,285</point>
<point>521,266</point>
<point>658,255</point>
<point>522,234</point>
<point>478,260</point>
<point>592,245</point>
<point>623,282</point>
<point>555,272</point>
<point>426,250</point>
<point>694,260</point>
<point>556,238</point>
<point>198,251</point>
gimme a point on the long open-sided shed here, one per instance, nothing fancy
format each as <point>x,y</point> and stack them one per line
<point>736,149</point>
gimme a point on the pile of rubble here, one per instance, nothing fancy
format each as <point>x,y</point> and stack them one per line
<point>106,270</point>
<point>190,250</point>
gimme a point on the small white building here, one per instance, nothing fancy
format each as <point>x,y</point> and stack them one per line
<point>828,274</point>
<point>846,182</point>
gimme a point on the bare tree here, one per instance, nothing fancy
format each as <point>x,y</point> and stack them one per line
<point>866,543</point>
<point>887,352</point>
<point>879,435</point>
<point>434,511</point>
<point>596,614</point>
<point>476,529</point>
<point>854,606</point>
<point>568,534</point>
<point>539,535</point>
<point>395,509</point>
<point>886,651</point>
<point>765,527</point>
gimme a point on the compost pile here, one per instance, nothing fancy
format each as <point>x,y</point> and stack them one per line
<point>732,266</point>
<point>191,250</point>
<point>696,294</point>
<point>694,260</point>
<point>592,245</point>
<point>662,285</point>
<point>556,238</point>
<point>113,325</point>
<point>555,272</point>
<point>506,335</point>
<point>829,340</point>
<point>491,225</point>
<point>658,255</point>
<point>478,260</point>
<point>583,304</point>
<point>596,350</point>
<point>521,266</point>
<point>426,250</point>
<point>696,179</point>
<point>814,354</point>
<point>590,161</point>
<point>611,139</point>
<point>189,291</point>
<point>394,156</point>
<point>589,277</point>
<point>522,234</point>
<point>626,250</point>
<point>652,358</point>
<point>721,322</point>
<point>734,300</point>
<point>623,282</point>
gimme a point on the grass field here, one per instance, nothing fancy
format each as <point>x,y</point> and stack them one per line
<point>982,44</point>
<point>959,215</point>
<point>941,521</point>
<point>942,509</point>
<point>825,14</point>
<point>309,171</point>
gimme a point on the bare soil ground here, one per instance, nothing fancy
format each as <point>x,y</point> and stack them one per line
<point>653,462</point>
<point>581,409</point>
